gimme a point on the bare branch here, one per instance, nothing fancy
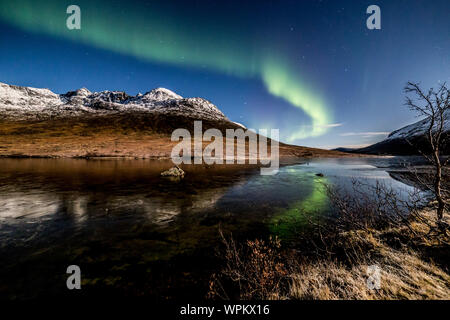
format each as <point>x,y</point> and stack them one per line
<point>436,104</point>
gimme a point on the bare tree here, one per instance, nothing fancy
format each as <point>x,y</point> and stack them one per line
<point>434,104</point>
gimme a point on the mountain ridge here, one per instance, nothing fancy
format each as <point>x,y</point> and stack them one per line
<point>22,103</point>
<point>407,140</point>
<point>40,123</point>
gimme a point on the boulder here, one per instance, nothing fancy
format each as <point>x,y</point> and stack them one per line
<point>173,172</point>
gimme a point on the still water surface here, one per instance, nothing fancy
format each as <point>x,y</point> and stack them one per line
<point>133,232</point>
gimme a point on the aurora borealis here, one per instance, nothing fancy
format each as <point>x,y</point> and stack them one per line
<point>298,52</point>
<point>147,35</point>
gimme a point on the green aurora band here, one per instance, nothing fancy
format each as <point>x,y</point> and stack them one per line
<point>155,33</point>
<point>298,216</point>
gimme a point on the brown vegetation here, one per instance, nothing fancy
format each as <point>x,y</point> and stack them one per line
<point>141,135</point>
<point>374,228</point>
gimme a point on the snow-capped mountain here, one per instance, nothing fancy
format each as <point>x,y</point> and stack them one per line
<point>407,140</point>
<point>418,128</point>
<point>31,103</point>
<point>84,124</point>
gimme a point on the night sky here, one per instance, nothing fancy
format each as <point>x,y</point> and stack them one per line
<point>310,68</point>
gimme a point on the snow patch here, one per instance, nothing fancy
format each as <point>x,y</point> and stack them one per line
<point>240,125</point>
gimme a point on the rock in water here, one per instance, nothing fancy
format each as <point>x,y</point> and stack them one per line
<point>173,172</point>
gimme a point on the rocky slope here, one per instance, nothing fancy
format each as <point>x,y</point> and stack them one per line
<point>40,123</point>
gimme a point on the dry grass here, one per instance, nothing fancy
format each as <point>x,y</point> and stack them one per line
<point>258,268</point>
<point>404,273</point>
<point>412,255</point>
<point>141,135</point>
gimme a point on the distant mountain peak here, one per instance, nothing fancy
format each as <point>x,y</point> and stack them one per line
<point>419,128</point>
<point>407,140</point>
<point>83,91</point>
<point>161,94</point>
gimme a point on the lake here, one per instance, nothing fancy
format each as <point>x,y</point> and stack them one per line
<point>135,233</point>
